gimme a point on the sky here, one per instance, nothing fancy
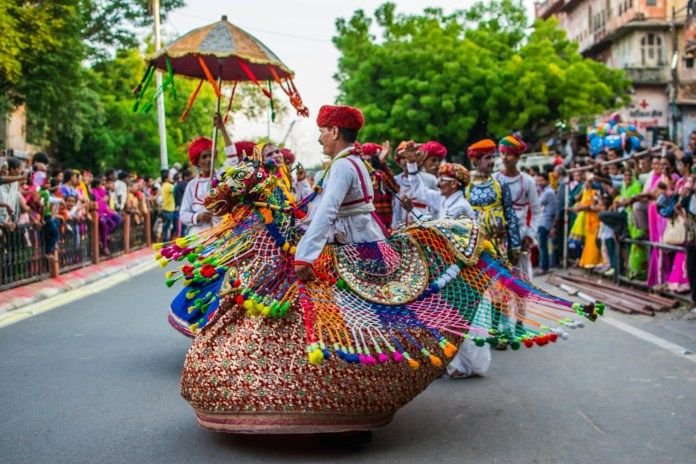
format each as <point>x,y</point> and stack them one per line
<point>299,32</point>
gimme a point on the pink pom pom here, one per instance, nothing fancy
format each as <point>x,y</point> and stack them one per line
<point>383,358</point>
<point>167,252</point>
<point>398,357</point>
<point>361,357</point>
<point>370,361</point>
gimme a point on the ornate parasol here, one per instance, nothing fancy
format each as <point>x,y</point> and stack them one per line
<point>215,53</point>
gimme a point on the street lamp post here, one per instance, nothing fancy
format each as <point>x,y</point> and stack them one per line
<point>164,161</point>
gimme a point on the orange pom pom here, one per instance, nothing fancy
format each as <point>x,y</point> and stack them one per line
<point>435,361</point>
<point>413,364</point>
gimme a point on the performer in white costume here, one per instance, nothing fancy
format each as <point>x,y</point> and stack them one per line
<point>344,212</point>
<point>447,202</point>
<point>525,199</point>
<point>192,212</point>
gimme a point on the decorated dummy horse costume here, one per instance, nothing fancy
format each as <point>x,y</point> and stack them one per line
<point>345,351</point>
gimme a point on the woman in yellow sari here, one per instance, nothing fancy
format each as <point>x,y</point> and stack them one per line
<point>586,225</point>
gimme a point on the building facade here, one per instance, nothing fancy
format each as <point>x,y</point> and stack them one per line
<point>640,37</point>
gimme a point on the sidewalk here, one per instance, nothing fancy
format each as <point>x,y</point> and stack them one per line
<point>16,298</point>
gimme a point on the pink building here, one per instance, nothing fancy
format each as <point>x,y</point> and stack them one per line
<point>636,36</point>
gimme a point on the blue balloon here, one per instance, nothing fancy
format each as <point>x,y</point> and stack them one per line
<point>613,141</point>
<point>596,144</point>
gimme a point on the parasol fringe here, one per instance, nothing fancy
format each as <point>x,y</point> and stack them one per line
<point>291,92</point>
<point>191,99</point>
<point>141,88</point>
<point>209,76</point>
<point>251,77</point>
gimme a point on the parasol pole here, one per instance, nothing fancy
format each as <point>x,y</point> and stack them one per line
<point>164,159</point>
<point>215,129</point>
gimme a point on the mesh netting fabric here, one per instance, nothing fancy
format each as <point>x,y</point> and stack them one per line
<point>371,303</point>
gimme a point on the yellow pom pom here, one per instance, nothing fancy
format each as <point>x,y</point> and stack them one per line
<point>316,357</point>
<point>194,327</point>
<point>488,246</point>
<point>158,257</point>
<point>449,350</point>
<point>286,246</point>
<point>248,305</point>
<point>163,262</point>
<point>435,361</point>
<point>169,274</point>
<point>181,242</point>
<point>191,309</point>
<point>413,364</point>
<point>293,250</point>
<point>265,310</point>
<point>157,246</point>
<point>187,282</point>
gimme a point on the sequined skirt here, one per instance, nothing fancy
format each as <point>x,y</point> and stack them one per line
<point>251,375</point>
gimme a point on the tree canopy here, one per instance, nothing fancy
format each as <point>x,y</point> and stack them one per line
<point>467,75</point>
<point>75,62</point>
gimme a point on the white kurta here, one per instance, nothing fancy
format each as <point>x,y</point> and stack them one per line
<point>400,215</point>
<point>302,189</point>
<point>454,206</point>
<point>332,219</point>
<point>192,205</point>
<point>524,198</point>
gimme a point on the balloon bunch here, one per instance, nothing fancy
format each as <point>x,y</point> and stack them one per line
<point>613,135</point>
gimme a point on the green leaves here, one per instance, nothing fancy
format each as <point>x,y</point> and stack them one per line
<point>476,73</point>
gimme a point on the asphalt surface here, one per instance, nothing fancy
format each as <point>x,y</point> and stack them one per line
<point>96,381</point>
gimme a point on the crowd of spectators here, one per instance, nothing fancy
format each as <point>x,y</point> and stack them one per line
<point>619,211</point>
<point>33,194</point>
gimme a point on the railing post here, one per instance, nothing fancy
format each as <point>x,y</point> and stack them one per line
<point>95,231</point>
<point>148,229</point>
<point>126,233</point>
<point>54,264</point>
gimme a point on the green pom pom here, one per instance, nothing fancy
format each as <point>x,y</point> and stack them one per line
<point>170,282</point>
<point>515,345</point>
<point>600,308</point>
<point>341,284</point>
<point>478,341</point>
<point>191,258</point>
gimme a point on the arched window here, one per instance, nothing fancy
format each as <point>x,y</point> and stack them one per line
<point>651,53</point>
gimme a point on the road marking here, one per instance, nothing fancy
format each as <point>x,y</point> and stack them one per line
<point>650,338</point>
<point>25,312</point>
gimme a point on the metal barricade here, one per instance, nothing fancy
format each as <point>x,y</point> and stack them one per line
<point>622,256</point>
<point>115,242</point>
<point>75,245</point>
<point>22,258</point>
<point>138,232</point>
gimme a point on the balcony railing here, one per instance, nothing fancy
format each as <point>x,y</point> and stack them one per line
<point>651,75</point>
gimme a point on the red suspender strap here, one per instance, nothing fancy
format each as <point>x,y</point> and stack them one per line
<point>366,199</point>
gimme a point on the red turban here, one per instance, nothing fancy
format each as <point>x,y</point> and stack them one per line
<point>434,149</point>
<point>343,117</point>
<point>370,149</point>
<point>197,147</point>
<point>288,156</point>
<point>244,148</point>
<point>480,148</point>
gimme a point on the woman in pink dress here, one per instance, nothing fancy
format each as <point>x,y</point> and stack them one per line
<point>678,279</point>
<point>663,179</point>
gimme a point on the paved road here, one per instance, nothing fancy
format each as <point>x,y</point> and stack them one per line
<point>96,381</point>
